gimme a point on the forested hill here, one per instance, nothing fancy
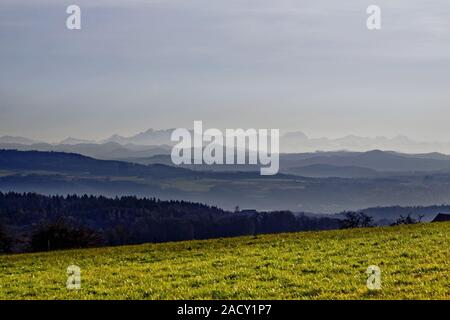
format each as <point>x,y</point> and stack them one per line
<point>74,163</point>
<point>128,220</point>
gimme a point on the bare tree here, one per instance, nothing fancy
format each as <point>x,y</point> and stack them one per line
<point>407,220</point>
<point>356,220</point>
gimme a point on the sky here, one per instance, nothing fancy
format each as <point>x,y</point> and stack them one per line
<point>308,65</point>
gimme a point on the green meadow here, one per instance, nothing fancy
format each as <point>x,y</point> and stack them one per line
<point>414,262</point>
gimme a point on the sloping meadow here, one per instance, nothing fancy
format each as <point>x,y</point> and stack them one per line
<point>414,264</point>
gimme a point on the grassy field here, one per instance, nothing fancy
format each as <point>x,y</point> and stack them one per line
<point>414,261</point>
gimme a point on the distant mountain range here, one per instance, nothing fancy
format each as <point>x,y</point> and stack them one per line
<point>74,141</point>
<point>107,150</point>
<point>16,140</point>
<point>319,182</point>
<point>375,160</point>
<point>299,142</point>
<point>147,138</point>
<point>345,164</point>
<point>329,189</point>
<point>290,142</point>
<point>342,164</point>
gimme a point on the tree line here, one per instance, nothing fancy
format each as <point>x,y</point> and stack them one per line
<point>34,222</point>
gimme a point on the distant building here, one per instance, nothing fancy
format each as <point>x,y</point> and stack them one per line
<point>441,217</point>
<point>248,211</point>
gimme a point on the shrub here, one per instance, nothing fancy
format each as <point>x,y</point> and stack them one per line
<point>5,241</point>
<point>60,235</point>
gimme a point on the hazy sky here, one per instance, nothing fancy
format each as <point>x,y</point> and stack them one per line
<point>308,65</point>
